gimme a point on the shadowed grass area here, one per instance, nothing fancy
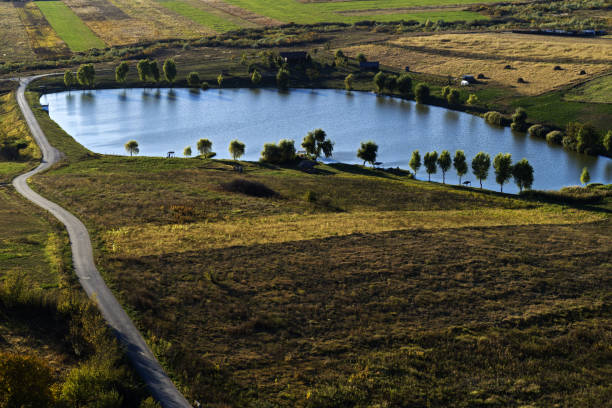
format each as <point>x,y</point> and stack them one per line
<point>200,16</point>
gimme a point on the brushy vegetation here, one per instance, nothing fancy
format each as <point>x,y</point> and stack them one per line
<point>248,187</point>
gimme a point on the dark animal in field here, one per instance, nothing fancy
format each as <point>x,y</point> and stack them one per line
<point>467,182</point>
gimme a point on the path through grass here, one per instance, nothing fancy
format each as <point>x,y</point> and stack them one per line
<point>69,26</point>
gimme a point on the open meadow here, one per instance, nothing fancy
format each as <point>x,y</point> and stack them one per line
<point>349,286</point>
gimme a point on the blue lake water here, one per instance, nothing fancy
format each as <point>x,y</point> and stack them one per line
<point>169,120</point>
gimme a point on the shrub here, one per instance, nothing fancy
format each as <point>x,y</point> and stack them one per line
<point>494,118</point>
<point>453,97</point>
<point>538,131</point>
<point>519,120</point>
<point>556,137</point>
<point>310,196</point>
<point>193,79</point>
<point>472,100</point>
<point>25,381</point>
<point>250,188</point>
<point>422,93</point>
<point>205,85</point>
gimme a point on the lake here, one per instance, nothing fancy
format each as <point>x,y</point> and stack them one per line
<point>169,120</point>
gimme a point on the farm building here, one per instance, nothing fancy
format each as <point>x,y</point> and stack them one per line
<point>294,57</point>
<point>369,65</point>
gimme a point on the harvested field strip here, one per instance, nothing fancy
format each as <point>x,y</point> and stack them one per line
<point>243,14</point>
<point>13,36</point>
<point>69,26</point>
<point>157,22</point>
<point>157,240</point>
<point>44,41</point>
<point>200,16</point>
<point>596,91</point>
<point>291,11</point>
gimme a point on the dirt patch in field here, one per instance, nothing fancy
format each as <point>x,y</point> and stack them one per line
<point>242,13</point>
<point>89,10</point>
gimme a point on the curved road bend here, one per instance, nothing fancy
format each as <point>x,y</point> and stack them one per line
<point>143,360</point>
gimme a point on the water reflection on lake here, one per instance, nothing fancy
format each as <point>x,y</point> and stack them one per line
<point>168,120</point>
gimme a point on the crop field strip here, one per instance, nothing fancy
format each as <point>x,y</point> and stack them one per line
<point>213,19</point>
<point>44,41</point>
<point>14,42</point>
<point>301,13</point>
<point>69,26</point>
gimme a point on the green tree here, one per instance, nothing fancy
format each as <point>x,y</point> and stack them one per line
<point>282,153</point>
<point>25,381</point>
<point>519,120</point>
<point>454,97</point>
<point>236,149</point>
<point>502,163</point>
<point>480,166</point>
<point>348,82</point>
<point>121,72</point>
<point>368,152</point>
<point>282,78</point>
<point>144,70</point>
<point>523,174</point>
<point>607,142</point>
<point>446,91</point>
<point>316,142</point>
<point>170,70</point>
<point>430,161</point>
<point>404,84</point>
<point>154,70</point>
<point>460,164</point>
<point>256,77</point>
<point>588,139</point>
<point>391,83</point>
<point>187,151</point>
<point>380,80</point>
<point>472,100</point>
<point>132,147</point>
<point>361,57</point>
<point>445,162</point>
<point>220,79</point>
<point>422,93</point>
<point>86,75</point>
<point>69,79</point>
<point>204,147</point>
<point>415,162</point>
<point>585,176</point>
<point>340,58</point>
<point>193,80</point>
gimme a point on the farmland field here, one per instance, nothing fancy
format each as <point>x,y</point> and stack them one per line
<point>599,91</point>
<point>532,58</point>
<point>44,41</point>
<point>69,26</point>
<point>203,17</point>
<point>14,42</point>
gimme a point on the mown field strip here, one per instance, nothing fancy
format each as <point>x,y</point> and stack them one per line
<point>292,11</point>
<point>157,240</point>
<point>69,26</point>
<point>13,36</point>
<point>200,16</point>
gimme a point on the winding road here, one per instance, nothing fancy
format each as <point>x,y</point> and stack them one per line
<point>143,360</point>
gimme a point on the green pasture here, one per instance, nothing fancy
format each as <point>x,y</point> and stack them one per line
<point>598,91</point>
<point>69,26</point>
<point>200,16</point>
<point>293,11</point>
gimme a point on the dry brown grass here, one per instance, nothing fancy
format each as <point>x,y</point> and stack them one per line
<point>152,239</point>
<point>532,58</point>
<point>14,42</point>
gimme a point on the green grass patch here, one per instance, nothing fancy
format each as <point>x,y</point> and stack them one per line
<point>308,13</point>
<point>598,90</point>
<point>69,26</point>
<point>200,16</point>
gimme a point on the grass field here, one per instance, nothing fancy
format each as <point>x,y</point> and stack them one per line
<point>200,16</point>
<point>14,131</point>
<point>383,290</point>
<point>69,26</point>
<point>14,43</point>
<point>599,91</point>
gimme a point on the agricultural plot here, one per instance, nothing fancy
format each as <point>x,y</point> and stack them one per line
<point>44,41</point>
<point>206,18</point>
<point>69,26</point>
<point>543,63</point>
<point>596,91</point>
<point>379,10</point>
<point>14,42</point>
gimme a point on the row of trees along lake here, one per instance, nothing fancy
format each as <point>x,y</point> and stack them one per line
<point>580,137</point>
<point>316,144</point>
